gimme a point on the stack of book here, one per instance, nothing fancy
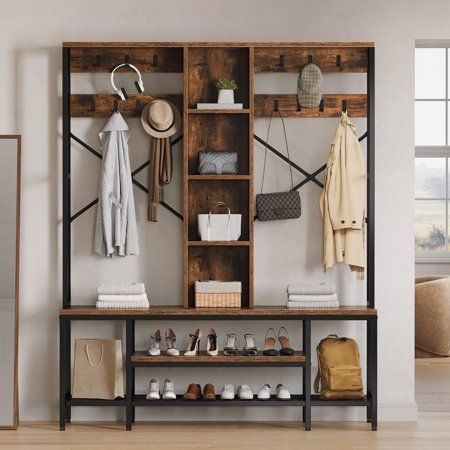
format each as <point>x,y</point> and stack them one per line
<point>312,296</point>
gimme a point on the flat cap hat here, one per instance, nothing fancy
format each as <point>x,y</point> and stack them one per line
<point>309,86</point>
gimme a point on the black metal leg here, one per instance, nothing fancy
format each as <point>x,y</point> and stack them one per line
<point>374,370</point>
<point>369,366</point>
<point>129,373</point>
<point>133,379</point>
<point>307,374</point>
<point>68,362</point>
<point>62,373</point>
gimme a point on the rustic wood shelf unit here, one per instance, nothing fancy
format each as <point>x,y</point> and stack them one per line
<point>201,64</point>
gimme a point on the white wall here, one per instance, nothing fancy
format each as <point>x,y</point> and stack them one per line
<point>31,35</point>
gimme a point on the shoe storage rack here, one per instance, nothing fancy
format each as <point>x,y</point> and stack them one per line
<point>201,64</point>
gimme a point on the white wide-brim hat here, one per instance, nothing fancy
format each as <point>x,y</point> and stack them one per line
<point>160,118</point>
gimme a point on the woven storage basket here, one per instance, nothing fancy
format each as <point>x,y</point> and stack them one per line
<point>228,300</point>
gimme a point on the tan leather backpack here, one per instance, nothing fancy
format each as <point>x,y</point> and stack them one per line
<point>339,374</point>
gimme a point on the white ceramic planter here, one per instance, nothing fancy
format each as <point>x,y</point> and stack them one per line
<point>225,96</point>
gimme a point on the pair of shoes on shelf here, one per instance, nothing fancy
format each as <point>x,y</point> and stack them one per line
<point>282,392</point>
<point>168,391</point>
<point>231,349</point>
<point>244,392</point>
<point>271,339</point>
<point>212,347</point>
<point>155,341</point>
<point>194,392</point>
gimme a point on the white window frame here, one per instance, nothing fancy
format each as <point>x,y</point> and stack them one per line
<point>436,151</point>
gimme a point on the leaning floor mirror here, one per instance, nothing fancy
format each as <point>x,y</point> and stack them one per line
<point>10,154</point>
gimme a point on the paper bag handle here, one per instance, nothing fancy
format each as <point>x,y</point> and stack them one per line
<point>89,358</point>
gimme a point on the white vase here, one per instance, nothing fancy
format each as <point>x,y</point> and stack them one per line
<point>226,96</point>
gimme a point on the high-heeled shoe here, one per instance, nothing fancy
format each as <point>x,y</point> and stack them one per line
<point>212,348</point>
<point>285,342</point>
<point>155,340</point>
<point>230,346</point>
<point>269,343</point>
<point>170,341</point>
<point>194,343</point>
<point>249,346</point>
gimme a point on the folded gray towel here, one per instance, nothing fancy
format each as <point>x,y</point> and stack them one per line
<point>312,289</point>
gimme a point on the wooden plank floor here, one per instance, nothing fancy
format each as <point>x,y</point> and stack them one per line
<point>432,431</point>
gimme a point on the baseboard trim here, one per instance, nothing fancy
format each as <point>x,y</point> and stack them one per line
<point>387,412</point>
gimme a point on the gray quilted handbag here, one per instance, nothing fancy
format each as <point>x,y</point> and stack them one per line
<point>217,163</point>
<point>278,205</point>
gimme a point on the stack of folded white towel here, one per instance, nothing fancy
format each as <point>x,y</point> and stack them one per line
<point>127,296</point>
<point>312,296</point>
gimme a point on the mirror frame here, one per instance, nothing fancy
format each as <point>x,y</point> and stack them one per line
<point>18,138</point>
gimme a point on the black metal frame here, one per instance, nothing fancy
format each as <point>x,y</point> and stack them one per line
<point>306,401</point>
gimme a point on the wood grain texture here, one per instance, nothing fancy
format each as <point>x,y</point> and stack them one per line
<point>204,194</point>
<point>102,105</point>
<point>218,132</point>
<point>218,263</point>
<point>267,59</point>
<point>218,111</point>
<point>332,105</point>
<point>207,65</point>
<point>157,60</point>
<point>143,357</point>
<point>125,44</point>
<point>256,311</point>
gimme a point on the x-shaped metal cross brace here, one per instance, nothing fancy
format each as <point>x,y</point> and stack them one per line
<point>133,174</point>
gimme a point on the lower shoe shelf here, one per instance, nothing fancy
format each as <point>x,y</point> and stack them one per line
<point>142,358</point>
<point>94,402</point>
<point>296,400</point>
<point>317,401</point>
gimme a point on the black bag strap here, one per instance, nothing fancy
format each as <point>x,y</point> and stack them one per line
<point>266,148</point>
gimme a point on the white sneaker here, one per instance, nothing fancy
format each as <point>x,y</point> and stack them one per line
<point>244,392</point>
<point>227,392</point>
<point>168,392</point>
<point>264,392</point>
<point>283,393</point>
<point>153,390</point>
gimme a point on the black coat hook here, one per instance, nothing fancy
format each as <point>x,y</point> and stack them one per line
<point>281,61</point>
<point>98,60</point>
<point>321,106</point>
<point>309,59</point>
<point>344,106</point>
<point>116,105</point>
<point>275,106</point>
<point>338,62</point>
<point>299,108</point>
<point>127,59</point>
<point>154,61</point>
<point>93,104</point>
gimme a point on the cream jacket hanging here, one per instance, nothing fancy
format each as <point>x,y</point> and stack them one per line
<point>343,200</point>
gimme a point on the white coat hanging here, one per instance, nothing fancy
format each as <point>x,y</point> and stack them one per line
<point>115,227</point>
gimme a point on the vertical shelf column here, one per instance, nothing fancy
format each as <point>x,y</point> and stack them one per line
<point>218,130</point>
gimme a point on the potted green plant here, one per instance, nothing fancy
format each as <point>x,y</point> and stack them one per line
<point>226,90</point>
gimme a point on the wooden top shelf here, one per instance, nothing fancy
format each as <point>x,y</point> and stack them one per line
<point>143,358</point>
<point>218,44</point>
<point>218,111</point>
<point>223,313</point>
<point>219,177</point>
<point>219,243</point>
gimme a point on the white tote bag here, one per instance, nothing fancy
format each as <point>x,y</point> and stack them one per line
<point>219,227</point>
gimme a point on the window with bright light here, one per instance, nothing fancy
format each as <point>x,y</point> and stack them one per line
<point>432,141</point>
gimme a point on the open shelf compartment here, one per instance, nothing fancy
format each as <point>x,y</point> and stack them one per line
<point>207,64</point>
